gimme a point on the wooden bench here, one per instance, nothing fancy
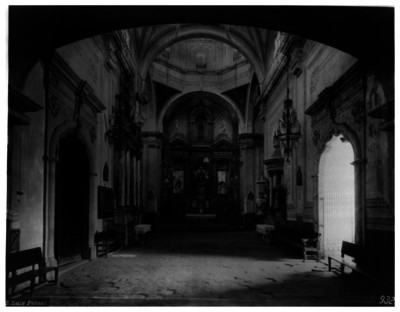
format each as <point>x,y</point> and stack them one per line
<point>106,242</point>
<point>311,246</point>
<point>141,230</point>
<point>265,230</point>
<point>27,266</point>
<point>353,257</point>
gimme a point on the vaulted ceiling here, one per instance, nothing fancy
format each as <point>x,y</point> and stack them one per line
<point>252,42</point>
<point>364,32</point>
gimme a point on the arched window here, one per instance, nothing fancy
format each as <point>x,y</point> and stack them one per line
<point>200,132</point>
<point>201,62</point>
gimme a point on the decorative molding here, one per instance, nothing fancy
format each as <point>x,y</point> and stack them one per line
<point>314,79</point>
<point>316,136</point>
<point>93,134</point>
<point>375,95</point>
<point>124,53</point>
<point>18,105</point>
<point>82,91</point>
<point>334,100</point>
<point>152,138</point>
<point>358,112</point>
<point>216,72</point>
<point>274,165</point>
<point>386,113</point>
<point>288,45</point>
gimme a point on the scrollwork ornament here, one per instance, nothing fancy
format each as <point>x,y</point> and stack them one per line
<point>316,137</point>
<point>93,134</point>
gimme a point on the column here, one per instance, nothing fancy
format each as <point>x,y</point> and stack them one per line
<point>150,178</point>
<point>249,143</point>
<point>275,170</point>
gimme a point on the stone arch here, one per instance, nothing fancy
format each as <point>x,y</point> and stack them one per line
<point>65,128</point>
<point>59,132</point>
<point>225,101</point>
<point>336,129</point>
<point>252,98</point>
<point>325,135</point>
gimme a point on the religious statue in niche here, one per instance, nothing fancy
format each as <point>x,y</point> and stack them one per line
<point>178,180</point>
<point>375,95</point>
<point>177,128</point>
<point>222,183</point>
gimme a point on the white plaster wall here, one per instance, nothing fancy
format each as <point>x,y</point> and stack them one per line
<point>31,150</point>
<point>322,66</point>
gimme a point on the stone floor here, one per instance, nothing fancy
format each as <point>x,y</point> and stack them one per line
<point>207,269</point>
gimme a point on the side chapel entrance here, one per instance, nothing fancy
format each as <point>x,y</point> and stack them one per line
<point>336,192</point>
<point>71,201</point>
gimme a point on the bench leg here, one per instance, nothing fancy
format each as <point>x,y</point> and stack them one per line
<point>342,268</point>
<point>32,286</point>
<point>329,264</point>
<point>56,276</point>
<point>55,280</point>
<point>268,237</point>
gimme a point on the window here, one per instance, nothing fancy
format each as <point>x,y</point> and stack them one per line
<point>222,187</point>
<point>201,62</point>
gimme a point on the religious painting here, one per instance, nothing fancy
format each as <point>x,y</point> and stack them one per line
<point>222,182</point>
<point>178,180</point>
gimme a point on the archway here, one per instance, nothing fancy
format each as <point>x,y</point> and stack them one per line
<point>71,201</point>
<point>336,195</point>
<point>200,163</point>
<point>221,100</point>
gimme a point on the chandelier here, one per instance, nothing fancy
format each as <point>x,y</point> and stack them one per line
<point>288,132</point>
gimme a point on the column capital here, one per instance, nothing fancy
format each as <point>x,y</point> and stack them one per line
<point>156,134</point>
<point>152,138</point>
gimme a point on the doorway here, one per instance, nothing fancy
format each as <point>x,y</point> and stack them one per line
<point>336,192</point>
<point>71,201</point>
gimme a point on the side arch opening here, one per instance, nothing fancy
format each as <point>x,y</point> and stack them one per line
<point>336,195</point>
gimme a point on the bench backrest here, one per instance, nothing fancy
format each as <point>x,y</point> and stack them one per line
<point>351,250</point>
<point>25,258</point>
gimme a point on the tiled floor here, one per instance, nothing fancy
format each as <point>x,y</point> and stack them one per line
<point>207,269</point>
